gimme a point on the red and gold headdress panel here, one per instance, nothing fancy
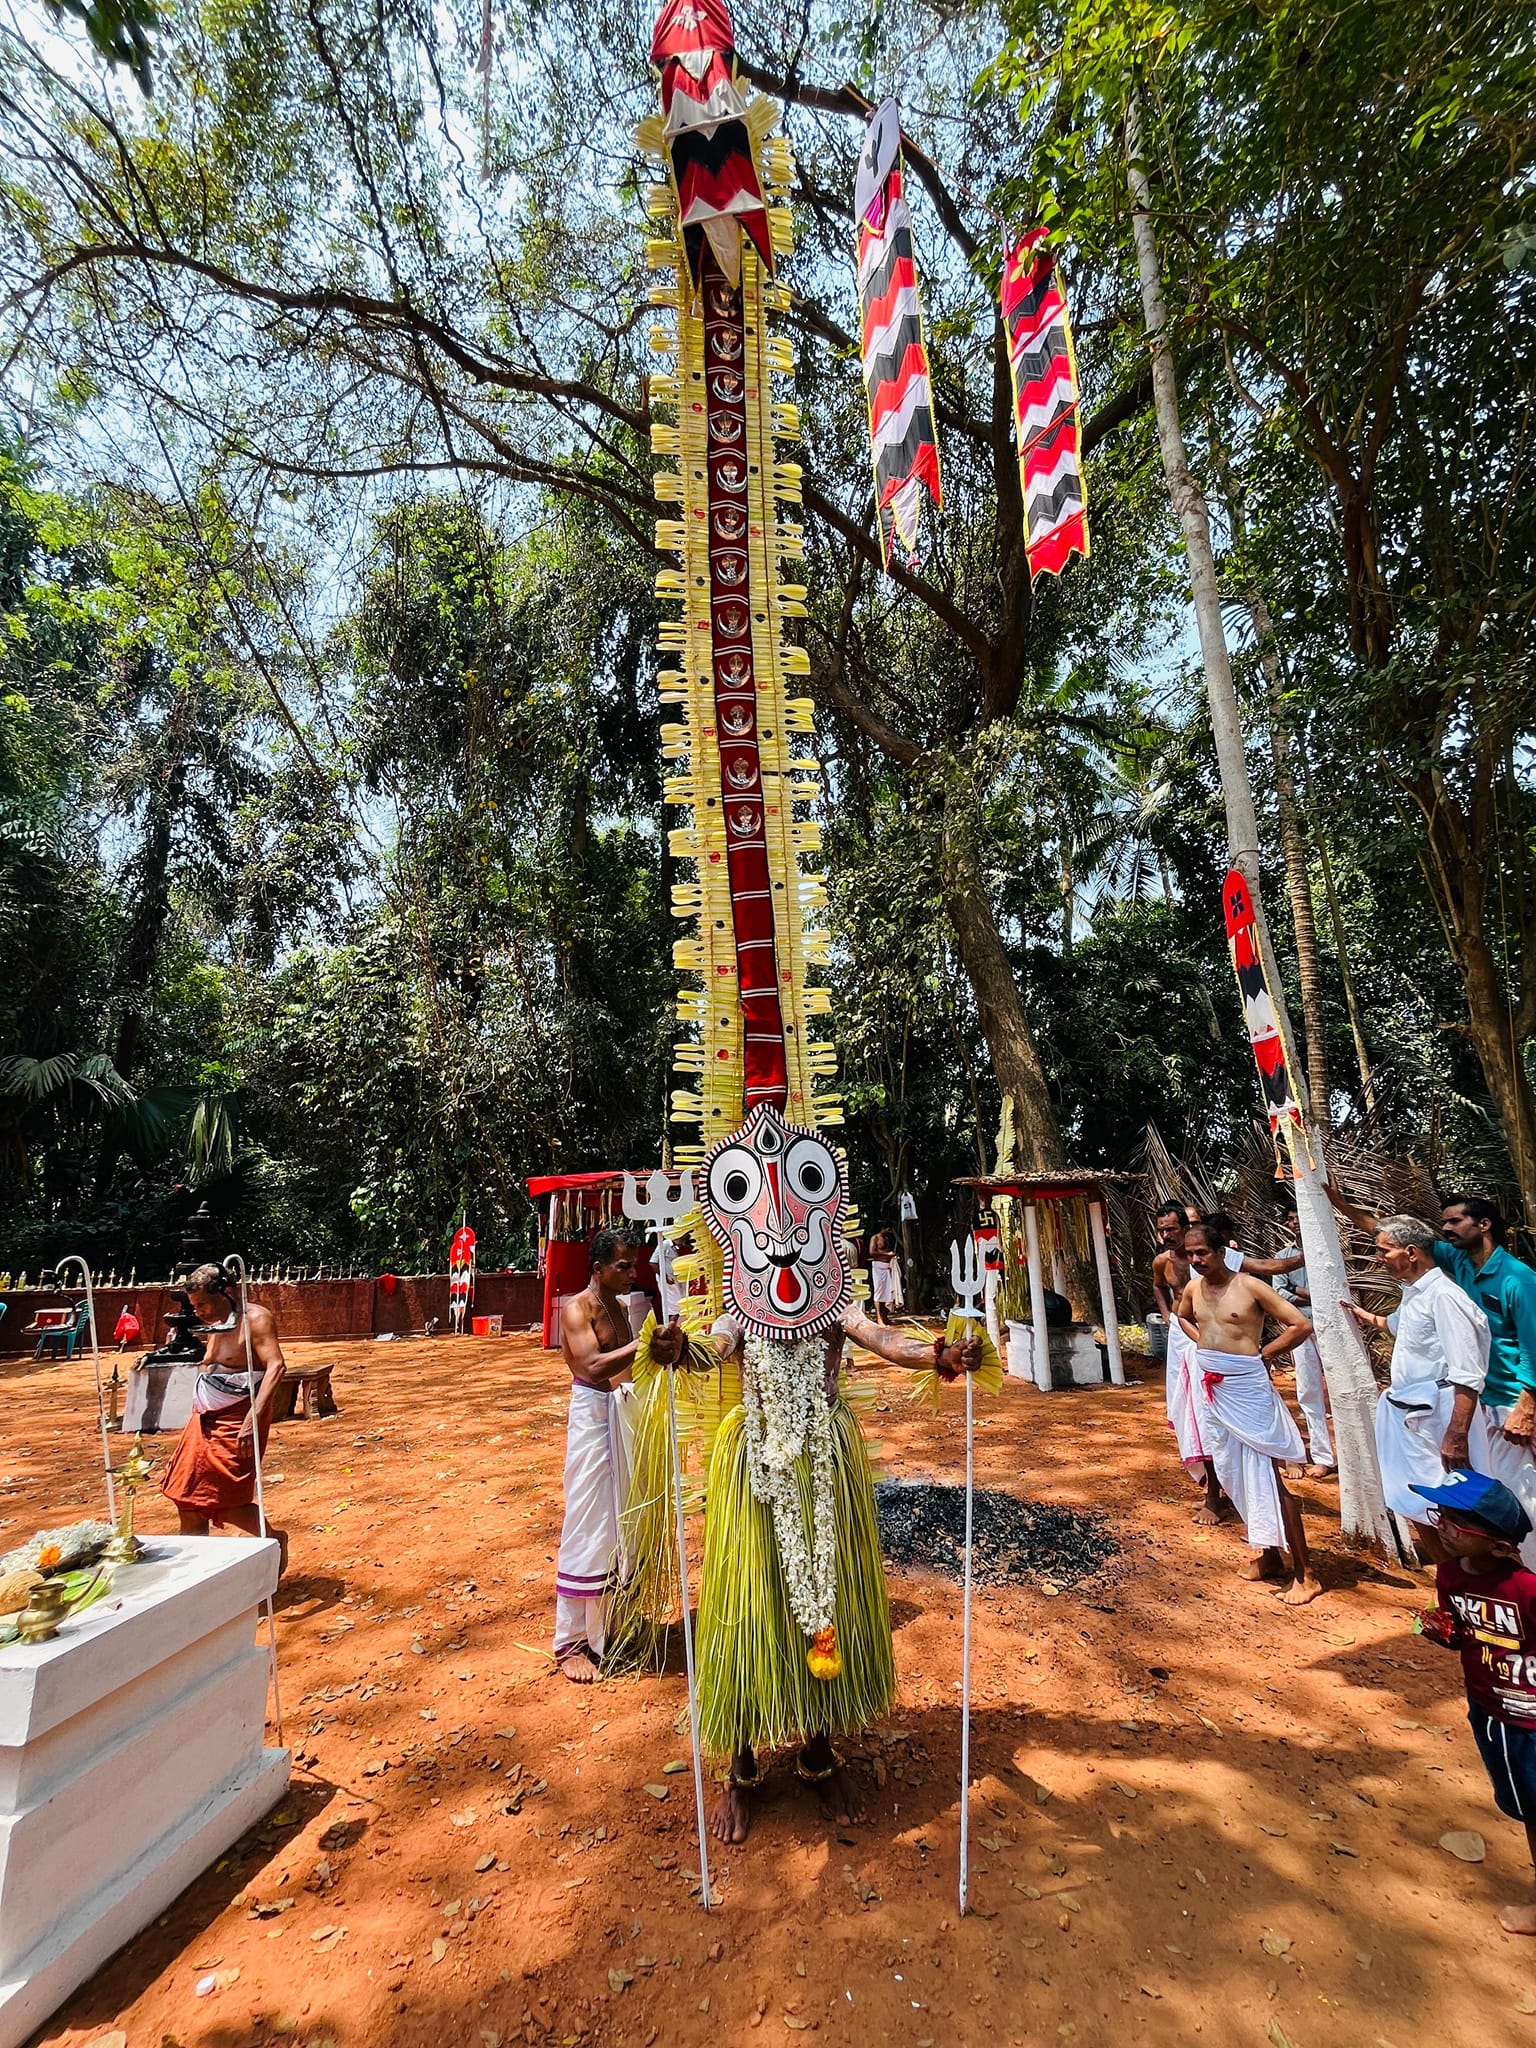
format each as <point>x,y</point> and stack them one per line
<point>740,743</point>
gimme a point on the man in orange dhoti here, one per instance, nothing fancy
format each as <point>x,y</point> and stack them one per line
<point>211,1478</point>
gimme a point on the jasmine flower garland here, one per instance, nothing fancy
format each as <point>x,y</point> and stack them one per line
<point>785,1412</point>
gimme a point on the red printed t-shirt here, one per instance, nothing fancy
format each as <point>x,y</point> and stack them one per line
<point>1496,1635</point>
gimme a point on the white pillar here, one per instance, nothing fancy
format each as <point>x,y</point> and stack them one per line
<point>1106,1292</point>
<point>1040,1336</point>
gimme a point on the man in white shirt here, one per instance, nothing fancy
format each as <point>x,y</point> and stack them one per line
<point>1428,1421</point>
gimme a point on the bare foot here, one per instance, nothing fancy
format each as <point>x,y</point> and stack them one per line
<point>1321,1472</point>
<point>730,1817</point>
<point>1518,1919</point>
<point>1299,1592</point>
<point>578,1665</point>
<point>838,1799</point>
<point>1269,1564</point>
<point>1205,1517</point>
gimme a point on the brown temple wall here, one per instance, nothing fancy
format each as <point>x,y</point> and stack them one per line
<point>313,1310</point>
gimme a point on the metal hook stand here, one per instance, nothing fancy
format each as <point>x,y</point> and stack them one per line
<point>54,1276</point>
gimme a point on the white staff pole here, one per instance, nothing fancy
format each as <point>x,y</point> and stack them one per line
<point>234,1260</point>
<point>968,1275</point>
<point>965,1666</point>
<point>705,1898</point>
<point>659,1208</point>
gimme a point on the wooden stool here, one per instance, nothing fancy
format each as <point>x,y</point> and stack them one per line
<point>307,1387</point>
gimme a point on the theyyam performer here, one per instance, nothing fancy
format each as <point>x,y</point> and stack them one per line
<point>794,1634</point>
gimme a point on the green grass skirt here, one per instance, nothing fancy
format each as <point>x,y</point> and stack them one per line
<point>755,1686</point>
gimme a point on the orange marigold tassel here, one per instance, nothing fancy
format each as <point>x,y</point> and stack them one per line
<point>822,1656</point>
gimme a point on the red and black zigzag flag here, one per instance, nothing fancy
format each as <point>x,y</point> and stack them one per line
<point>896,381</point>
<point>720,197</point>
<point>1044,406</point>
<point>1280,1103</point>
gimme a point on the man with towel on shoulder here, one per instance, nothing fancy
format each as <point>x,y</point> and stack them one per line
<point>1247,1428</point>
<point>1170,1277</point>
<point>211,1478</point>
<point>599,1349</point>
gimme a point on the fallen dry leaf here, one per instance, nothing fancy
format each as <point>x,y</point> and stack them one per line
<point>1279,2036</point>
<point>439,1948</point>
<point>1042,1794</point>
<point>1274,1944</point>
<point>1465,1844</point>
<point>487,1862</point>
<point>677,1764</point>
<point>1263,1830</point>
<point>1342,1849</point>
<point>464,1819</point>
<point>1126,1791</point>
<point>619,1980</point>
<point>991,1842</point>
<point>1150,1991</point>
<point>1069,1901</point>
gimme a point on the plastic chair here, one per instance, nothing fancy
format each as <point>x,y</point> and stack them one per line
<point>62,1341</point>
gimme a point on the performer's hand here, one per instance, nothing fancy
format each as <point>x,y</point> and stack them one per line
<point>963,1357</point>
<point>1521,1421</point>
<point>1454,1455</point>
<point>247,1431</point>
<point>668,1344</point>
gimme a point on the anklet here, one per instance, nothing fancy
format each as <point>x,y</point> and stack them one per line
<point>740,1784</point>
<point>807,1776</point>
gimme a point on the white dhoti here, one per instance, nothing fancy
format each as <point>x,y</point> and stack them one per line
<point>1411,1421</point>
<point>1312,1400</point>
<point>1515,1467</point>
<point>882,1284</point>
<point>898,1292</point>
<point>597,1463</point>
<point>1183,1409</point>
<point>1247,1427</point>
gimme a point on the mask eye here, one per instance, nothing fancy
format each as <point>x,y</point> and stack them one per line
<point>735,1180</point>
<point>767,1138</point>
<point>810,1168</point>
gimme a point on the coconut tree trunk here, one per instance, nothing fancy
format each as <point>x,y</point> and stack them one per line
<point>1351,1383</point>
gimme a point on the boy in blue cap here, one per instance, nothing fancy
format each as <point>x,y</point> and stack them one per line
<point>1487,1611</point>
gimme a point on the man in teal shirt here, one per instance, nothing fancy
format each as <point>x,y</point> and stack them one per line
<point>1504,1287</point>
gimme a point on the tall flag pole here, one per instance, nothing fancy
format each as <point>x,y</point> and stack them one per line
<point>1286,1122</point>
<point>895,357</point>
<point>1045,406</point>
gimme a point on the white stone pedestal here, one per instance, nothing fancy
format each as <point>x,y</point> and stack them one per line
<point>131,1756</point>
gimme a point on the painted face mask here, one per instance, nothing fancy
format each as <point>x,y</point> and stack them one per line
<point>774,1196</point>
